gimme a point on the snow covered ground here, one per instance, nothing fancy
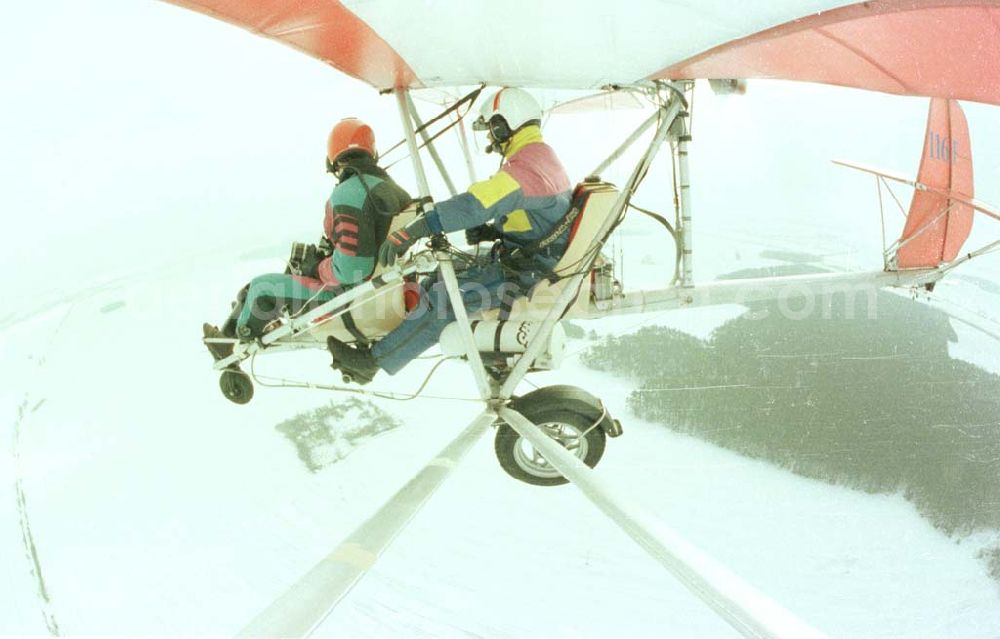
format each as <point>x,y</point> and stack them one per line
<point>158,508</point>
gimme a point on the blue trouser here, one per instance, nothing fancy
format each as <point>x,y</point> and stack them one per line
<point>483,287</point>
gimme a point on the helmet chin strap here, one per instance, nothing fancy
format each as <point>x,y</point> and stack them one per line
<point>496,146</point>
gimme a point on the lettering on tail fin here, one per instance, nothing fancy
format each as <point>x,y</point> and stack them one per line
<point>941,148</point>
<point>938,225</point>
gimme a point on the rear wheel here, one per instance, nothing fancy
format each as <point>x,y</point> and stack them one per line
<point>576,433</point>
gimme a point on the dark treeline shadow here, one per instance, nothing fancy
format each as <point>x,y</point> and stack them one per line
<point>860,393</point>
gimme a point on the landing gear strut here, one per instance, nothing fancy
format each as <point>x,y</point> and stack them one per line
<point>571,416</point>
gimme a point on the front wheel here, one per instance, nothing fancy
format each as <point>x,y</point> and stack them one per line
<point>236,386</point>
<point>575,432</point>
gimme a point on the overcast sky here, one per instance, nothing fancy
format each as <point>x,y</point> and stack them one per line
<point>139,132</point>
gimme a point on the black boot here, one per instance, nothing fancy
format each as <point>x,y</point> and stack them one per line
<point>357,364</point>
<point>217,349</point>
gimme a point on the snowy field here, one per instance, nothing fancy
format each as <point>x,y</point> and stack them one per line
<point>158,508</point>
<point>160,160</point>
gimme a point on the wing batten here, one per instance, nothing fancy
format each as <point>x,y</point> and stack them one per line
<point>861,55</point>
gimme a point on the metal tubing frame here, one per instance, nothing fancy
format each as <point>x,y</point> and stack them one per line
<point>988,248</point>
<point>624,146</point>
<point>750,612</point>
<point>445,266</point>
<point>900,243</point>
<point>667,114</point>
<point>447,270</point>
<point>336,306</point>
<point>307,603</point>
<point>822,286</point>
<point>402,100</point>
<point>429,145</point>
<point>464,139</point>
<point>687,239</point>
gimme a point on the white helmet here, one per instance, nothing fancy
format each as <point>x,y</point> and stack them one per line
<point>506,111</point>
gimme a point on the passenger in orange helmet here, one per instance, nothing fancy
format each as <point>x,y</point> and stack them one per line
<point>358,214</point>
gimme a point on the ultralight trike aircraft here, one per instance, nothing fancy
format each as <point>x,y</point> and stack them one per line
<point>946,50</point>
<point>357,37</point>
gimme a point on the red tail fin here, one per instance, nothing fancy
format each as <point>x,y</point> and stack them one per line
<point>937,225</point>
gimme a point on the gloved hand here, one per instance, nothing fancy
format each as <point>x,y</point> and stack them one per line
<point>303,259</point>
<point>310,261</point>
<point>325,246</point>
<point>482,233</point>
<point>400,241</point>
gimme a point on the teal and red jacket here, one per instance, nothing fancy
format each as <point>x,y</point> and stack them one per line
<point>524,200</point>
<point>358,214</point>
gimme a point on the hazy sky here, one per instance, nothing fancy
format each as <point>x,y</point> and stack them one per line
<point>137,133</point>
<point>141,122</point>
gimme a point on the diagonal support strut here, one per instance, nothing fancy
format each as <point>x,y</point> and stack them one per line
<point>304,606</point>
<point>751,613</point>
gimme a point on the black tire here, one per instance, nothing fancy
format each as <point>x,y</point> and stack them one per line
<point>518,457</point>
<point>236,386</point>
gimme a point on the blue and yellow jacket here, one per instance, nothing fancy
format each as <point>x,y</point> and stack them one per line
<point>525,200</point>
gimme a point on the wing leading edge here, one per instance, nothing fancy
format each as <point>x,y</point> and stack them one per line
<point>323,29</point>
<point>935,48</point>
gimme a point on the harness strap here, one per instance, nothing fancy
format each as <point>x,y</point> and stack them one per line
<point>509,293</point>
<point>352,328</point>
<point>539,245</point>
<point>496,335</point>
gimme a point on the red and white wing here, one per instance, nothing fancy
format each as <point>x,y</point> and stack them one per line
<point>324,29</point>
<point>944,48</point>
<point>937,48</point>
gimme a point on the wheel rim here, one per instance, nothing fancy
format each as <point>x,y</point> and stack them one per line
<point>567,435</point>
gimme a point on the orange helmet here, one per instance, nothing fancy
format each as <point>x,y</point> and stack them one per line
<point>350,134</point>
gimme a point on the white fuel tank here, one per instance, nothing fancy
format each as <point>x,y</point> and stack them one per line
<point>500,336</point>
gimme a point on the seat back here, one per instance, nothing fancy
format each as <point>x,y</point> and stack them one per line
<point>399,220</point>
<point>595,201</point>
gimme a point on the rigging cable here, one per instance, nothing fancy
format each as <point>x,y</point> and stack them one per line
<point>467,99</point>
<point>402,397</point>
<point>673,233</point>
<point>881,212</point>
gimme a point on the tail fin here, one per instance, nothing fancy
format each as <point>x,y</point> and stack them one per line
<point>937,225</point>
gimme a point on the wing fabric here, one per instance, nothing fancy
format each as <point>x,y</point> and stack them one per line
<point>323,29</point>
<point>938,48</point>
